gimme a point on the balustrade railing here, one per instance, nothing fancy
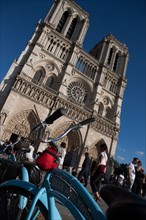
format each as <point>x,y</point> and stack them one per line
<point>58,47</point>
<point>87,65</point>
<point>49,99</point>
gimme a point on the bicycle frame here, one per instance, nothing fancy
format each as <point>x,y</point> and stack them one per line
<point>60,184</point>
<point>25,177</point>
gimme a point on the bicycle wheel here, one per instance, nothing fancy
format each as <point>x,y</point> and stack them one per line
<point>10,202</point>
<point>72,194</point>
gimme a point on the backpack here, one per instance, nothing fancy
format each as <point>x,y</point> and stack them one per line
<point>48,159</point>
<point>34,173</point>
<point>8,170</point>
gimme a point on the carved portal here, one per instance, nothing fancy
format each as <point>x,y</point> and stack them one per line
<point>21,125</point>
<point>73,138</point>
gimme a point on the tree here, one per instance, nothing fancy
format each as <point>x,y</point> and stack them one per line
<point>120,168</point>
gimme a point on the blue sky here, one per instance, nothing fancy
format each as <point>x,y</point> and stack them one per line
<point>126,20</point>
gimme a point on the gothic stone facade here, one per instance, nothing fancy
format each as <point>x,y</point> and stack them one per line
<point>54,71</point>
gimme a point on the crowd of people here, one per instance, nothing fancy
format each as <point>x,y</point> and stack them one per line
<point>136,179</point>
<point>9,150</point>
<point>133,180</point>
<point>93,172</point>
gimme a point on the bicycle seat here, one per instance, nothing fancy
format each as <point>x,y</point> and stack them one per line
<point>122,203</point>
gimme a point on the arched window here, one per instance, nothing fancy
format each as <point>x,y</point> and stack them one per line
<point>100,109</point>
<point>116,62</point>
<point>110,56</point>
<point>108,113</point>
<point>49,82</point>
<point>38,77</point>
<point>77,92</point>
<point>3,116</point>
<point>71,28</point>
<point>62,21</point>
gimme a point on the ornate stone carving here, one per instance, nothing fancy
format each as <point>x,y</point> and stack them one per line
<point>3,116</point>
<point>73,138</point>
<point>41,55</point>
<point>50,67</point>
<point>77,92</point>
<point>105,101</point>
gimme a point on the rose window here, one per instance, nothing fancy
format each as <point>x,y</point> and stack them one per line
<point>77,92</point>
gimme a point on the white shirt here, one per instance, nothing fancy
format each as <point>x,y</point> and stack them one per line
<point>29,155</point>
<point>63,153</point>
<point>122,176</point>
<point>131,168</point>
<point>104,158</point>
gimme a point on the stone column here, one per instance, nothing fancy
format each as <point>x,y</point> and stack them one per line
<point>83,31</point>
<point>55,13</point>
<point>125,66</point>
<point>67,25</point>
<point>113,58</point>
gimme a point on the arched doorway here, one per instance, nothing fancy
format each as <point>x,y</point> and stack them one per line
<point>94,150</point>
<point>20,125</point>
<point>73,138</point>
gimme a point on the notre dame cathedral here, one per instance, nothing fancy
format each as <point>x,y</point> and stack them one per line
<point>54,71</point>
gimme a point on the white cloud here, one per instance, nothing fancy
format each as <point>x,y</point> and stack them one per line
<point>121,149</point>
<point>139,153</point>
<point>121,158</point>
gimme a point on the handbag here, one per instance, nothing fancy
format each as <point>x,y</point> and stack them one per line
<point>102,168</point>
<point>48,159</point>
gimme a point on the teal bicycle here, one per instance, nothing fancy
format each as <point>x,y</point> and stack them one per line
<point>58,187</point>
<point>21,199</point>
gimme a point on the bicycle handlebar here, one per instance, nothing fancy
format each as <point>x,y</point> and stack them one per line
<point>71,128</point>
<point>57,114</point>
<point>50,119</point>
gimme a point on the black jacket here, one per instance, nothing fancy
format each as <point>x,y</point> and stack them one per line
<point>70,159</point>
<point>87,163</point>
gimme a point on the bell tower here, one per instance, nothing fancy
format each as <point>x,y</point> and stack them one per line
<point>113,58</point>
<point>113,54</point>
<point>69,20</point>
